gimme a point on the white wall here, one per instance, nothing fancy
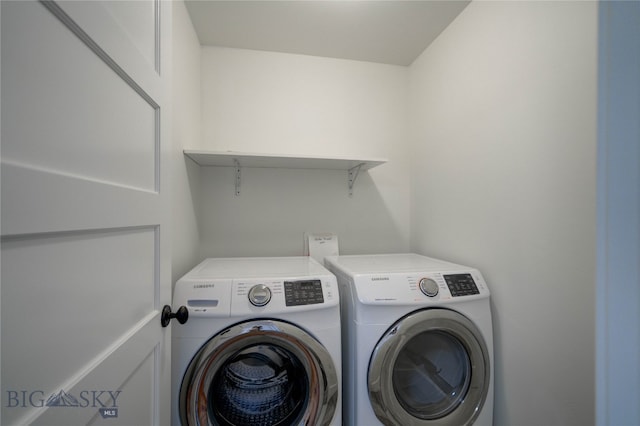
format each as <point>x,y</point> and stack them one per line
<point>266,102</point>
<point>502,136</point>
<point>503,130</point>
<point>186,133</point>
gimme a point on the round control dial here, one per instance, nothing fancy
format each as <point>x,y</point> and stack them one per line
<point>259,295</point>
<point>429,287</point>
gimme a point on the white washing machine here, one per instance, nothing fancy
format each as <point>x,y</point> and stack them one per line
<point>417,343</point>
<point>261,345</point>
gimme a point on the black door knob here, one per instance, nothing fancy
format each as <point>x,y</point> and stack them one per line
<point>182,315</point>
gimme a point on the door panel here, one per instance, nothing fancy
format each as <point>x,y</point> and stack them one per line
<point>31,204</point>
<point>138,20</point>
<point>101,28</point>
<point>65,300</point>
<point>85,259</point>
<point>114,128</point>
<point>110,375</point>
<point>141,383</point>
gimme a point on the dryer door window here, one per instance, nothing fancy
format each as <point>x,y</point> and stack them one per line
<point>431,375</point>
<point>261,372</point>
<point>431,366</point>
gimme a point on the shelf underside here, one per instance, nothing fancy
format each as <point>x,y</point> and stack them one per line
<point>229,159</point>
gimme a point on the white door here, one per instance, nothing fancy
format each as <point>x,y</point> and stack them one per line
<point>85,259</point>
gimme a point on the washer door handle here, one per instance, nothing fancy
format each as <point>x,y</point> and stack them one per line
<point>182,315</point>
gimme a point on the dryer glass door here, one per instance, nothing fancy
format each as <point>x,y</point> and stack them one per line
<point>431,374</point>
<point>430,366</point>
<point>260,372</point>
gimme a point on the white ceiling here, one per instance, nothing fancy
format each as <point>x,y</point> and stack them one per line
<point>391,32</point>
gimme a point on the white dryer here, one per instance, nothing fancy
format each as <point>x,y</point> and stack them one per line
<point>417,341</point>
<point>261,345</point>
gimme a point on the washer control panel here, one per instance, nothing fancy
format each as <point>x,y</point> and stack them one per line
<point>276,295</point>
<point>228,287</point>
<point>259,295</point>
<point>307,292</point>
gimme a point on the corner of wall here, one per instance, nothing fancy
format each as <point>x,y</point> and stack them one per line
<point>186,134</point>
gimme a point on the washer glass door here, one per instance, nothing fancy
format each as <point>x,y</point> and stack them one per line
<point>262,384</point>
<point>260,372</point>
<point>431,366</point>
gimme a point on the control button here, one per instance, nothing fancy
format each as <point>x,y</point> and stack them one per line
<point>259,295</point>
<point>429,287</point>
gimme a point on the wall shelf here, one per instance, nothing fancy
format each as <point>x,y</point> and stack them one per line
<point>226,159</point>
<point>242,159</point>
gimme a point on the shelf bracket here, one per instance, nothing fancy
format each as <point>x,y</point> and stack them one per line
<point>237,165</point>
<point>353,175</point>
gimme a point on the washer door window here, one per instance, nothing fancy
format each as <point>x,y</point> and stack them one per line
<point>430,367</point>
<point>261,372</point>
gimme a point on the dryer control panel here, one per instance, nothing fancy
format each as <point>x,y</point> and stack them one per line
<point>420,287</point>
<point>461,285</point>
